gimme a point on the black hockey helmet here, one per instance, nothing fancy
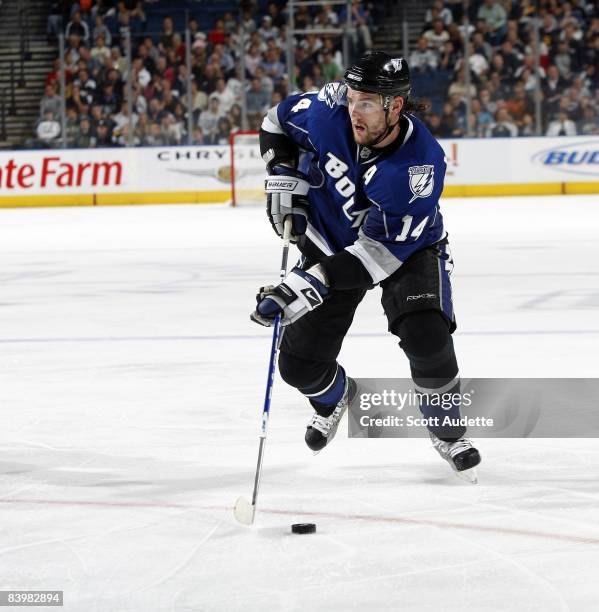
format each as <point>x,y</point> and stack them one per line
<point>378,72</point>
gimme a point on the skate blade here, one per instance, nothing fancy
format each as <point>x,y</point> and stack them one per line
<point>468,475</point>
<point>244,512</point>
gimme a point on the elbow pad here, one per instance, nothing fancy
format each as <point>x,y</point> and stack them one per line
<point>278,149</point>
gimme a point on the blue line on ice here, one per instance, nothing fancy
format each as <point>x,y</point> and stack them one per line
<point>196,338</point>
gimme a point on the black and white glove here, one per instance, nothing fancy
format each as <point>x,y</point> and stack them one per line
<point>300,292</point>
<point>287,194</point>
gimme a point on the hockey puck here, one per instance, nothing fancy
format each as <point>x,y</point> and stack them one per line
<point>303,528</point>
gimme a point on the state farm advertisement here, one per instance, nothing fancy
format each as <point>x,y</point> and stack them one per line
<point>136,170</point>
<point>54,172</point>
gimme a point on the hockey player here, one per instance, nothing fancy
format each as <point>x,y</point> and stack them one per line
<point>365,211</point>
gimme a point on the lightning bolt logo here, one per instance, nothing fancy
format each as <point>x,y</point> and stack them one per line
<point>422,181</point>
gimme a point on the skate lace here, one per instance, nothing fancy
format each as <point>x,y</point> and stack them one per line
<point>452,449</point>
<point>324,424</point>
<point>459,446</point>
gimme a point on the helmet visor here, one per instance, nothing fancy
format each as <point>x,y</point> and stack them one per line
<point>357,102</point>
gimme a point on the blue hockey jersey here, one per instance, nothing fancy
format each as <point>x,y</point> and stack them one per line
<point>381,205</point>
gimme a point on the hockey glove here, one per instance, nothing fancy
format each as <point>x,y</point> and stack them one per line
<point>286,194</point>
<point>300,292</point>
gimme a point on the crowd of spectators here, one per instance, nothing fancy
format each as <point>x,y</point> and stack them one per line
<point>97,33</point>
<point>504,79</point>
<point>500,92</point>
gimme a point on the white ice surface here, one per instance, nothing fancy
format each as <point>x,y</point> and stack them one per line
<point>131,386</point>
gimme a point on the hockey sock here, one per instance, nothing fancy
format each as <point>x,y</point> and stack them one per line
<point>428,345</point>
<point>324,401</point>
<point>322,382</point>
<point>442,408</point>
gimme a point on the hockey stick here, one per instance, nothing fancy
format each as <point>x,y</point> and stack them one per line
<point>245,511</point>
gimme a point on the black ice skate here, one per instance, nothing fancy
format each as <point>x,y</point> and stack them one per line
<point>461,456</point>
<point>323,425</point>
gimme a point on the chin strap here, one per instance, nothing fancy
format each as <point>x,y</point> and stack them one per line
<point>388,131</point>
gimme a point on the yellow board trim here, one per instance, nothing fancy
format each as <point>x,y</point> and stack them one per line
<point>83,199</point>
<point>505,189</point>
<point>166,197</point>
<point>116,199</point>
<point>519,189</point>
<point>215,197</point>
<point>581,188</point>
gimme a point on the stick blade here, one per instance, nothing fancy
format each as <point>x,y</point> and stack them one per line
<point>244,512</point>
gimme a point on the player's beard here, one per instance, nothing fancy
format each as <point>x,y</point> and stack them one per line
<point>369,135</point>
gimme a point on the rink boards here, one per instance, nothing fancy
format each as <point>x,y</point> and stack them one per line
<point>202,175</point>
